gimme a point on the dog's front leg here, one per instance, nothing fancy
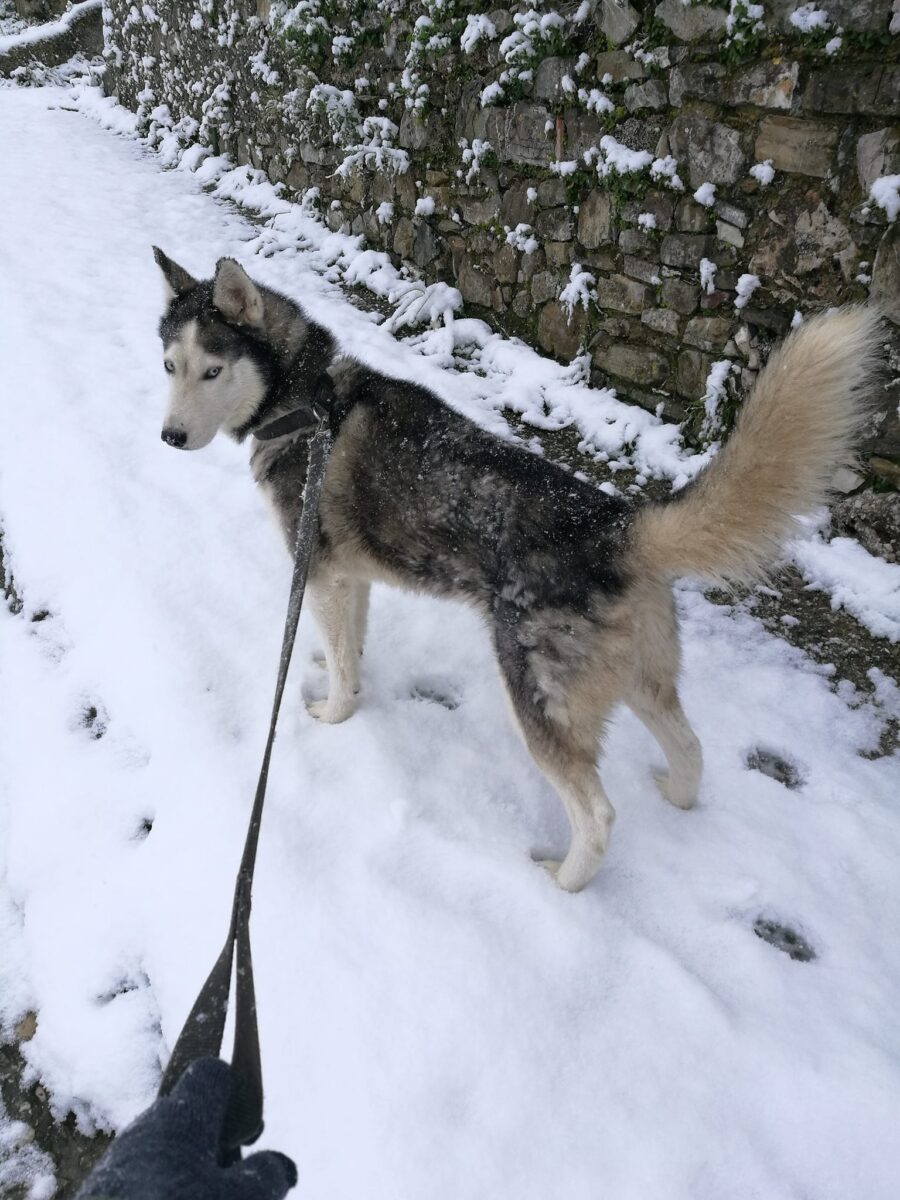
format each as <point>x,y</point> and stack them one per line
<point>334,600</point>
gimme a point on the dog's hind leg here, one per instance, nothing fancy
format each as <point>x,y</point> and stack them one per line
<point>361,613</point>
<point>660,710</point>
<point>652,696</point>
<point>589,811</point>
<point>334,600</point>
<point>561,724</point>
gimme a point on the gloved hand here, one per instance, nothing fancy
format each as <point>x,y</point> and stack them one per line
<point>171,1151</point>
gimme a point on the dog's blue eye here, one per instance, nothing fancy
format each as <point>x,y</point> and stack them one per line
<point>212,372</point>
<point>169,365</point>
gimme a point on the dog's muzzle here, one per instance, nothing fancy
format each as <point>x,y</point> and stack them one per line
<point>174,437</point>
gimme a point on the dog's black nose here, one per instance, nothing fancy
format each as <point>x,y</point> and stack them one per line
<point>174,437</point>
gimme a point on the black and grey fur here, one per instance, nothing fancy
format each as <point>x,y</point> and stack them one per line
<point>574,585</point>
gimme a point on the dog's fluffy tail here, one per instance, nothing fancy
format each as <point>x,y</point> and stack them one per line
<point>795,430</point>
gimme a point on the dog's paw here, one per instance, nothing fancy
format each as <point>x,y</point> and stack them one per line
<point>563,874</point>
<point>677,796</point>
<point>331,713</point>
<point>550,865</point>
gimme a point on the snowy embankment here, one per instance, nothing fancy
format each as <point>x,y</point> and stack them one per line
<point>437,1017</point>
<point>33,34</point>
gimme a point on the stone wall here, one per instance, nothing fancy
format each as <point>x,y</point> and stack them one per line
<point>41,10</point>
<point>52,42</point>
<point>497,150</point>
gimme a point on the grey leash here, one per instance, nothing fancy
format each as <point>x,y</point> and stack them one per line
<point>203,1031</point>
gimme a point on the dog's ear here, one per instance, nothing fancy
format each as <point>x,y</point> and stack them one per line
<point>177,279</point>
<point>235,294</point>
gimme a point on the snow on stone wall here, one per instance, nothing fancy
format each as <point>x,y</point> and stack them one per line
<point>433,127</point>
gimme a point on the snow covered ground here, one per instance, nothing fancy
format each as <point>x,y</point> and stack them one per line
<point>437,1017</point>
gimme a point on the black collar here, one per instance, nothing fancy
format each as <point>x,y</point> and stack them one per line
<point>293,422</point>
<point>302,419</point>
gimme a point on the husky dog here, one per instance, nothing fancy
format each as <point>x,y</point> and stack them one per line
<point>574,585</point>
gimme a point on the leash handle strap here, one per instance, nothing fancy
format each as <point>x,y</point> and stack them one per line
<point>204,1028</point>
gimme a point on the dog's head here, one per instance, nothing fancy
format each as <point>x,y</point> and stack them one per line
<point>215,351</point>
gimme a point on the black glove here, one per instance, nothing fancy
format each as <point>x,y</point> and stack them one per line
<point>171,1151</point>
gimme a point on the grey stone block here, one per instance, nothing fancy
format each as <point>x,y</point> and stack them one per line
<point>595,219</point>
<point>885,287</point>
<point>559,333</point>
<point>637,364</point>
<point>623,295</point>
<point>730,234</point>
<point>691,23</point>
<point>583,131</point>
<point>695,81</point>
<point>549,75</point>
<point>873,518</point>
<point>661,320</point>
<point>506,264</point>
<point>640,268</point>
<point>691,217</point>
<point>545,286</point>
<point>404,238</point>
<point>805,147</point>
<point>732,214</point>
<point>684,250</point>
<point>415,132</point>
<point>475,282</point>
<point>532,263</point>
<point>650,94</point>
<point>555,224</point>
<point>877,154</point>
<point>765,85</point>
<point>425,246</point>
<point>515,207</point>
<point>619,65</point>
<point>708,333</point>
<point>714,152</point>
<point>559,254</point>
<point>551,193</point>
<point>854,89</point>
<point>635,241</point>
<point>521,304</point>
<point>820,236</point>
<point>618,21</point>
<point>691,373</point>
<point>660,206</point>
<point>517,134</point>
<point>772,319</point>
<point>479,210</point>
<point>682,297</point>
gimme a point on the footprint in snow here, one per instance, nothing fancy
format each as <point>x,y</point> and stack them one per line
<point>95,720</point>
<point>436,691</point>
<point>782,770</point>
<point>127,983</point>
<point>784,938</point>
<point>144,829</point>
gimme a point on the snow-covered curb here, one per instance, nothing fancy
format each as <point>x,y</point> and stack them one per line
<point>866,586</point>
